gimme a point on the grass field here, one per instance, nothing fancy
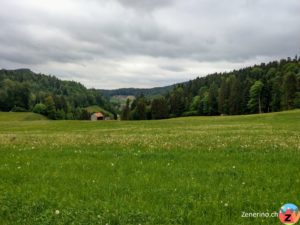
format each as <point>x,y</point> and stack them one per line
<point>11,116</point>
<point>196,170</point>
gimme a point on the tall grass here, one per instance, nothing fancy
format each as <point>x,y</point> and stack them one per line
<point>196,170</point>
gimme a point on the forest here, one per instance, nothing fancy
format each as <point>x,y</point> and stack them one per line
<point>147,92</point>
<point>263,88</point>
<point>23,90</point>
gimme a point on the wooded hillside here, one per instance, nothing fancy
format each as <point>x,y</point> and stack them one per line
<point>23,90</point>
<point>263,88</point>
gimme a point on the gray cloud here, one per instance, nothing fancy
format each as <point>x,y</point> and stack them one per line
<point>146,4</point>
<point>145,42</point>
<point>172,68</point>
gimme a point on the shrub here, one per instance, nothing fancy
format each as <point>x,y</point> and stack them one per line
<point>18,109</point>
<point>190,113</point>
<point>40,108</point>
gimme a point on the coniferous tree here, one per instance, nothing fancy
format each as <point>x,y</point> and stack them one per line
<point>141,111</point>
<point>213,100</point>
<point>177,101</point>
<point>289,90</point>
<point>297,100</point>
<point>235,97</point>
<point>159,108</point>
<point>276,94</point>
<point>223,97</point>
<point>126,110</point>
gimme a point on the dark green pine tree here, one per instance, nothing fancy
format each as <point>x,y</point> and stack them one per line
<point>223,97</point>
<point>276,92</point>
<point>126,110</point>
<point>177,101</point>
<point>159,108</point>
<point>213,100</point>
<point>235,97</point>
<point>289,90</point>
<point>140,110</point>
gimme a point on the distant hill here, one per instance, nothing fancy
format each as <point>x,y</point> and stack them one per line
<point>24,90</point>
<point>147,92</point>
<point>263,88</point>
<point>20,116</point>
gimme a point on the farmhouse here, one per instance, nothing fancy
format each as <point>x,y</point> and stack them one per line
<point>97,116</point>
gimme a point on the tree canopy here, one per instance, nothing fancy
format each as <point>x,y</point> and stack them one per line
<point>23,90</point>
<point>263,88</point>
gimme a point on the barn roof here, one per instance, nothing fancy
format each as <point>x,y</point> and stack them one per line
<point>98,114</point>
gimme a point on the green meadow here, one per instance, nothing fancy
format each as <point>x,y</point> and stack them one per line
<point>194,170</point>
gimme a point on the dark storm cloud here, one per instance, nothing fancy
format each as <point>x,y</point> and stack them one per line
<point>134,39</point>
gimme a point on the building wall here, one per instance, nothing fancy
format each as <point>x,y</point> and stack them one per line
<point>94,117</point>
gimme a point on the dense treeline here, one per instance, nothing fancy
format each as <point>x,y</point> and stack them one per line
<point>23,90</point>
<point>258,89</point>
<point>148,92</point>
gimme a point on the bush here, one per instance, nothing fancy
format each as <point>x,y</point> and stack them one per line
<point>69,116</point>
<point>172,116</point>
<point>60,115</point>
<point>40,109</point>
<point>190,113</point>
<point>18,109</point>
<point>297,100</point>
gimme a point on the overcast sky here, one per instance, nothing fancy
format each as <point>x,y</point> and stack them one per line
<point>144,43</point>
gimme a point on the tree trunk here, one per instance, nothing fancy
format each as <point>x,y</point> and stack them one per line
<point>259,105</point>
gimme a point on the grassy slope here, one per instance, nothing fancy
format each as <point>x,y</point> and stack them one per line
<point>196,170</point>
<point>20,116</point>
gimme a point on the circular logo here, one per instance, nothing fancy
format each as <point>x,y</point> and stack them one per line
<point>289,214</point>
